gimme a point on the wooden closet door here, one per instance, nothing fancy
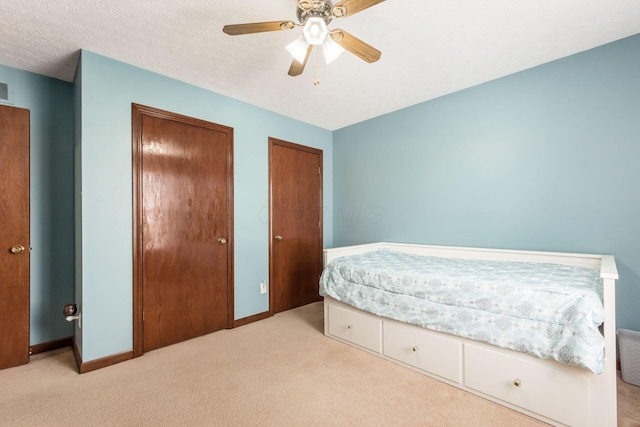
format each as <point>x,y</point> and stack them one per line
<point>14,236</point>
<point>296,224</point>
<point>185,225</point>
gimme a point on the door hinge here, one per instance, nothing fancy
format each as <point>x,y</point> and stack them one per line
<point>318,170</point>
<point>143,316</point>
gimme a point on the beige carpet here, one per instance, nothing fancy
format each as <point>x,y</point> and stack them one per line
<point>276,372</point>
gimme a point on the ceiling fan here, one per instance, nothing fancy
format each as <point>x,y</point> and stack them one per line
<point>314,16</point>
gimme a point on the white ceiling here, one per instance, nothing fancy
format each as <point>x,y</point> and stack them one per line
<point>429,48</point>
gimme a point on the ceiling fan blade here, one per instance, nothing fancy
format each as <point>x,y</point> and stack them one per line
<point>355,45</point>
<point>346,8</point>
<point>258,27</point>
<point>297,68</point>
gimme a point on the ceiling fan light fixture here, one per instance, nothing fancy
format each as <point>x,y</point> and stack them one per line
<point>314,16</point>
<point>315,31</point>
<point>298,48</point>
<point>331,50</point>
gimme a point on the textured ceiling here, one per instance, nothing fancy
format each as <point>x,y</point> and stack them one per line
<point>429,48</point>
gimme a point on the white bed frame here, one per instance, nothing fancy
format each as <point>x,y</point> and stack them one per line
<point>553,392</point>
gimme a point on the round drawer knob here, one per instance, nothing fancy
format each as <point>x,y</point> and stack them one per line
<point>415,349</point>
<point>349,327</point>
<point>517,382</point>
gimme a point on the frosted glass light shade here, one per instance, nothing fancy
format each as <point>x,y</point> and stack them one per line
<point>298,48</point>
<point>331,50</point>
<point>315,31</point>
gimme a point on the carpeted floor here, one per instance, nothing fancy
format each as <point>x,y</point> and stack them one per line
<point>280,371</point>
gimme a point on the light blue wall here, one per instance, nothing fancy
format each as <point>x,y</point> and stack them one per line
<point>545,159</point>
<point>108,89</point>
<point>51,120</point>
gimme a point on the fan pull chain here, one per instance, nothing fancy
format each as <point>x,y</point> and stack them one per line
<point>316,79</point>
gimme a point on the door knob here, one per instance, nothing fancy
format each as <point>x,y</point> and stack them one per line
<point>17,249</point>
<point>278,237</point>
<point>222,240</point>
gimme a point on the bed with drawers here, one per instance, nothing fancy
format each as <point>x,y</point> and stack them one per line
<point>533,331</point>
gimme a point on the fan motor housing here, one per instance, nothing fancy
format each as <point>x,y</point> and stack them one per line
<point>320,9</point>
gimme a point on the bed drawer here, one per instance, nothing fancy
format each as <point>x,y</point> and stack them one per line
<point>538,387</point>
<point>426,350</point>
<point>356,327</point>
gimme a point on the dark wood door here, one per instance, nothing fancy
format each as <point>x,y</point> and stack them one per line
<point>14,236</point>
<point>296,224</point>
<point>184,227</point>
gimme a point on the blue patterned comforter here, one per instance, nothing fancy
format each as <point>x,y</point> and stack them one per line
<point>545,310</point>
